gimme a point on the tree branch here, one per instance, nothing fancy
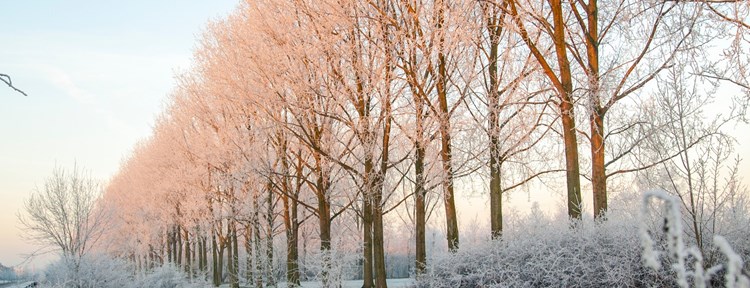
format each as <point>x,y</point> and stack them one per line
<point>8,82</point>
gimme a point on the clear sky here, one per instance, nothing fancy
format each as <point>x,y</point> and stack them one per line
<point>97,73</point>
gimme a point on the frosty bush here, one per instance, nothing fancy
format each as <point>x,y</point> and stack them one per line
<point>91,271</point>
<point>620,251</point>
<point>665,251</point>
<point>542,252</point>
<point>342,264</point>
<point>104,271</point>
<point>168,276</point>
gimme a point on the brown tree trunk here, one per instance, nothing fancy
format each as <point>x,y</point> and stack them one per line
<point>571,160</point>
<point>420,206</point>
<point>567,113</point>
<point>495,29</point>
<point>367,268</point>
<point>598,170</point>
<point>378,247</point>
<point>496,198</point>
<point>324,216</point>
<point>564,86</point>
<point>291,222</point>
<point>325,235</point>
<point>446,154</point>
<point>420,192</point>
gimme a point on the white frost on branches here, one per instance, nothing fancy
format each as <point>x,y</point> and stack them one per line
<point>679,255</point>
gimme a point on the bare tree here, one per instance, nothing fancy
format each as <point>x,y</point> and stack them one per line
<point>698,168</point>
<point>64,215</point>
<point>562,80</point>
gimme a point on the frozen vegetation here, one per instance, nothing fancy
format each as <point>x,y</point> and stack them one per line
<point>628,248</point>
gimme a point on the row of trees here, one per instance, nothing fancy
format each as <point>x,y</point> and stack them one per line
<point>344,113</point>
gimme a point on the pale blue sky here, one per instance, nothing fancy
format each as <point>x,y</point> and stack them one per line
<point>97,73</point>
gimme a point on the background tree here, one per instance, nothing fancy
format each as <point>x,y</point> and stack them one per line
<point>64,216</point>
<point>699,169</point>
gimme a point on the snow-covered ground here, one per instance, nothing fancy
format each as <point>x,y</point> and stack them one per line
<point>392,283</point>
<point>18,285</point>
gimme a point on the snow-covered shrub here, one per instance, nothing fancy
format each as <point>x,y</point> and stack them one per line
<point>168,276</point>
<point>341,265</point>
<point>107,272</point>
<point>665,251</point>
<point>537,251</point>
<point>623,250</point>
<point>90,271</point>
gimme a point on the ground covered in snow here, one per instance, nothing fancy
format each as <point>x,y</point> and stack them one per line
<point>392,283</point>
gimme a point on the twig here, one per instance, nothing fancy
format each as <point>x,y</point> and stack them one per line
<point>7,81</point>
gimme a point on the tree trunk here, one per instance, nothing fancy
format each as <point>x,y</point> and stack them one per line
<point>325,238</point>
<point>324,217</point>
<point>235,256</point>
<point>270,279</point>
<point>566,113</point>
<point>420,192</point>
<point>292,253</point>
<point>256,233</point>
<point>564,88</point>
<point>249,255</point>
<point>178,241</point>
<point>367,267</point>
<point>195,253</point>
<point>169,245</point>
<point>446,154</point>
<point>571,160</point>
<point>378,242</point>
<point>188,260</point>
<point>420,206</point>
<point>221,262</point>
<point>598,170</point>
<point>203,254</point>
<point>496,198</point>
<point>215,260</point>
<point>230,255</point>
<point>291,222</point>
<point>378,247</point>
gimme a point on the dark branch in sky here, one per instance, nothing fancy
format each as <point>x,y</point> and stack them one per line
<point>7,81</point>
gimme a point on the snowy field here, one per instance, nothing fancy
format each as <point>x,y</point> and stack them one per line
<point>17,285</point>
<point>392,283</point>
